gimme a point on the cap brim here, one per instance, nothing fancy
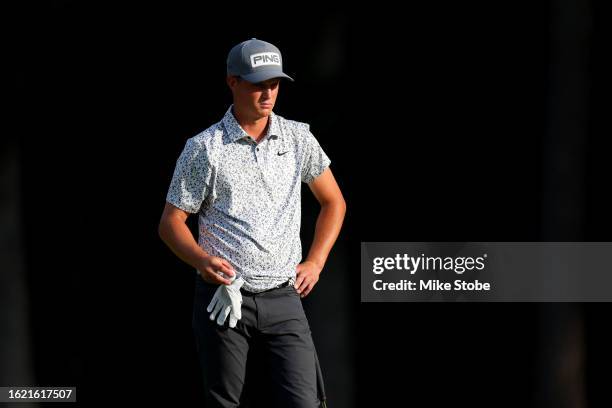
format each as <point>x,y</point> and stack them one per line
<point>264,76</point>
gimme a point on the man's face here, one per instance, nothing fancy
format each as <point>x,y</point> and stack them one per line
<point>256,99</point>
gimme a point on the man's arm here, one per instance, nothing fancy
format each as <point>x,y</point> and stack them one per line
<point>329,223</point>
<point>175,233</point>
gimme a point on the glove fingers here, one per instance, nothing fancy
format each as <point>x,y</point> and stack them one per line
<point>232,320</point>
<point>216,299</point>
<point>237,309</point>
<point>236,299</point>
<point>236,315</point>
<point>217,311</point>
<point>212,303</point>
<point>223,315</point>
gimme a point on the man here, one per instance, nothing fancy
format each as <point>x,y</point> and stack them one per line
<point>242,176</point>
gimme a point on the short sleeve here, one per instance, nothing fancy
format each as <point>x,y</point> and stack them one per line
<point>191,179</point>
<point>315,161</point>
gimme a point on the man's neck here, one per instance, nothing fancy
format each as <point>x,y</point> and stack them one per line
<point>255,127</point>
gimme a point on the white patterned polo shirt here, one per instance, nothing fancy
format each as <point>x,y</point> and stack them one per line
<point>248,194</point>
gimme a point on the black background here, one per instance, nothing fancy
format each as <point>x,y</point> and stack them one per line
<point>436,119</point>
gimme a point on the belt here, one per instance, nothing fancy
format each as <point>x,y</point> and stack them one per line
<point>288,282</point>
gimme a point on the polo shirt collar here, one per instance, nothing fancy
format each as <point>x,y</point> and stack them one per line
<point>236,132</point>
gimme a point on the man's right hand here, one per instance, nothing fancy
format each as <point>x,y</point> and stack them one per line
<point>210,268</point>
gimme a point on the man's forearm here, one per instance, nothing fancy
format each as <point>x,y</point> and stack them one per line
<point>177,236</point>
<point>327,230</point>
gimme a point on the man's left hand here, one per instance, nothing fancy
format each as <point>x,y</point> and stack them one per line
<point>307,275</point>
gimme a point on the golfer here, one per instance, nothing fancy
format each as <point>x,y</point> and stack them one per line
<point>243,176</point>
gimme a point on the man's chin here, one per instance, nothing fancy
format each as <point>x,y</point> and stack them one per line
<point>265,110</point>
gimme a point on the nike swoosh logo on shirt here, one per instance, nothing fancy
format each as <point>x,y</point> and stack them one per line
<point>280,154</point>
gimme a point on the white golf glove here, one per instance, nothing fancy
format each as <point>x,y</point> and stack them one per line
<point>227,301</point>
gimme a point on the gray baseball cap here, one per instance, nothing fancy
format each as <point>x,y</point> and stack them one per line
<point>255,61</point>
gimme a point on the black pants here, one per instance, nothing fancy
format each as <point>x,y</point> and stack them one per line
<point>273,325</point>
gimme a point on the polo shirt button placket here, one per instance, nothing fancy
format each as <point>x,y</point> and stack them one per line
<point>260,163</point>
<point>256,149</point>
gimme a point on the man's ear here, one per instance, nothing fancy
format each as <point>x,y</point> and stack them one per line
<point>231,81</point>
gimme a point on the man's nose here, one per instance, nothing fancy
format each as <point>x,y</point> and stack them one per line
<point>266,93</point>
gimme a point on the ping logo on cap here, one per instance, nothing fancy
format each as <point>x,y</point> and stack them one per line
<point>265,58</point>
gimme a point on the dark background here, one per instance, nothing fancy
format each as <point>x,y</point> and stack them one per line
<point>460,122</point>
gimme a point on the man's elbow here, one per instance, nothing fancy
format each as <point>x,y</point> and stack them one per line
<point>337,203</point>
<point>343,206</point>
<point>161,229</point>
